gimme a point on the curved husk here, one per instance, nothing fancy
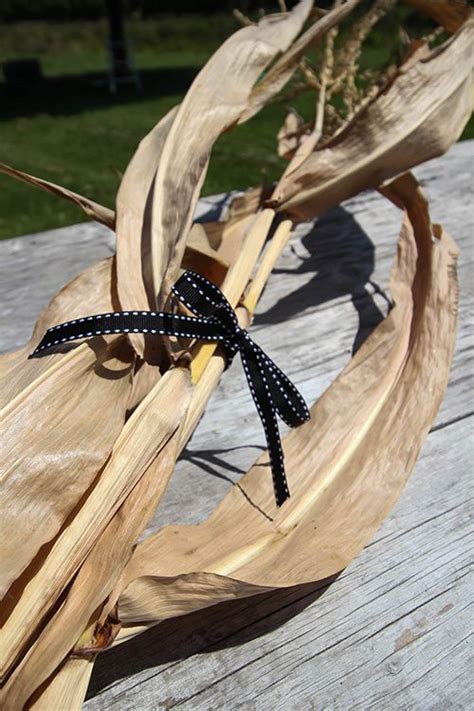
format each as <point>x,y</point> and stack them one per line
<point>417,117</point>
<point>346,467</point>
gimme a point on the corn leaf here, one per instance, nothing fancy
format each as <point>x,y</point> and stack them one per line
<point>92,290</point>
<point>91,208</point>
<point>111,550</point>
<point>214,103</point>
<point>387,137</point>
<point>54,443</point>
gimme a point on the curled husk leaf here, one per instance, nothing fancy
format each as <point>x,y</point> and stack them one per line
<point>417,117</point>
<point>170,189</point>
<point>349,463</point>
<point>90,207</point>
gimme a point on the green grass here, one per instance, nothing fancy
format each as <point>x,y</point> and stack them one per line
<point>87,152</point>
<point>70,130</point>
<point>73,132</point>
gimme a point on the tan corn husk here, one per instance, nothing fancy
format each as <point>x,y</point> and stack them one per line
<point>68,688</point>
<point>185,138</point>
<point>95,288</point>
<point>122,470</point>
<point>109,431</point>
<point>386,137</point>
<point>66,398</point>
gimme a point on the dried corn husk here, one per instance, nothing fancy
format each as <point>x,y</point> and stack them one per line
<point>134,222</point>
<point>387,138</point>
<point>94,288</point>
<point>82,579</point>
<point>112,548</point>
<point>185,139</point>
<point>49,431</point>
<point>121,474</point>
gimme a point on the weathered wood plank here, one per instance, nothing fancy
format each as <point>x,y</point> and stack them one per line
<point>391,630</point>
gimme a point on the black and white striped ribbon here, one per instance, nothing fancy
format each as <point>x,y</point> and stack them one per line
<point>273,393</point>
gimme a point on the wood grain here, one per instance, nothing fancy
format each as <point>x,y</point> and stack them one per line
<point>392,630</point>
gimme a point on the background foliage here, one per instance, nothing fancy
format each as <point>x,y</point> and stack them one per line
<point>70,129</point>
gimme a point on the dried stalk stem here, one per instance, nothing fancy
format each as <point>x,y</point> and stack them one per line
<point>346,61</point>
<point>310,143</point>
<point>240,17</point>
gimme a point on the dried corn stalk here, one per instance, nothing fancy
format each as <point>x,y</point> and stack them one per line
<point>73,577</point>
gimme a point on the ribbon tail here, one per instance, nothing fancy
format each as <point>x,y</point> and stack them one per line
<point>263,402</point>
<point>148,322</point>
<point>286,398</point>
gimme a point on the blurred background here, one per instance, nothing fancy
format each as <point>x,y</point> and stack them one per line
<point>82,81</point>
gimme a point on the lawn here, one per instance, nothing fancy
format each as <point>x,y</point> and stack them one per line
<point>71,130</point>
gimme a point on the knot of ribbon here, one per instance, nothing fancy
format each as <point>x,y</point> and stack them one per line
<point>215,320</point>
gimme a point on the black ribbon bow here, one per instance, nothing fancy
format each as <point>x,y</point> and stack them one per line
<point>273,393</point>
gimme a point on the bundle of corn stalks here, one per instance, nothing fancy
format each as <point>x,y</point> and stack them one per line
<point>91,432</point>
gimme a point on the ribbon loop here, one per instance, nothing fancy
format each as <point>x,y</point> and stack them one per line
<point>215,320</point>
<point>205,299</point>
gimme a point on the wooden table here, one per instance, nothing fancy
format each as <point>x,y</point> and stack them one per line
<point>392,632</point>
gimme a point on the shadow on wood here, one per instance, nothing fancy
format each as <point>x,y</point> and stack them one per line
<point>341,258</point>
<point>227,624</point>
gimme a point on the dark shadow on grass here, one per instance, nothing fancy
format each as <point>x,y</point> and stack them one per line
<point>73,93</point>
<point>226,625</point>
